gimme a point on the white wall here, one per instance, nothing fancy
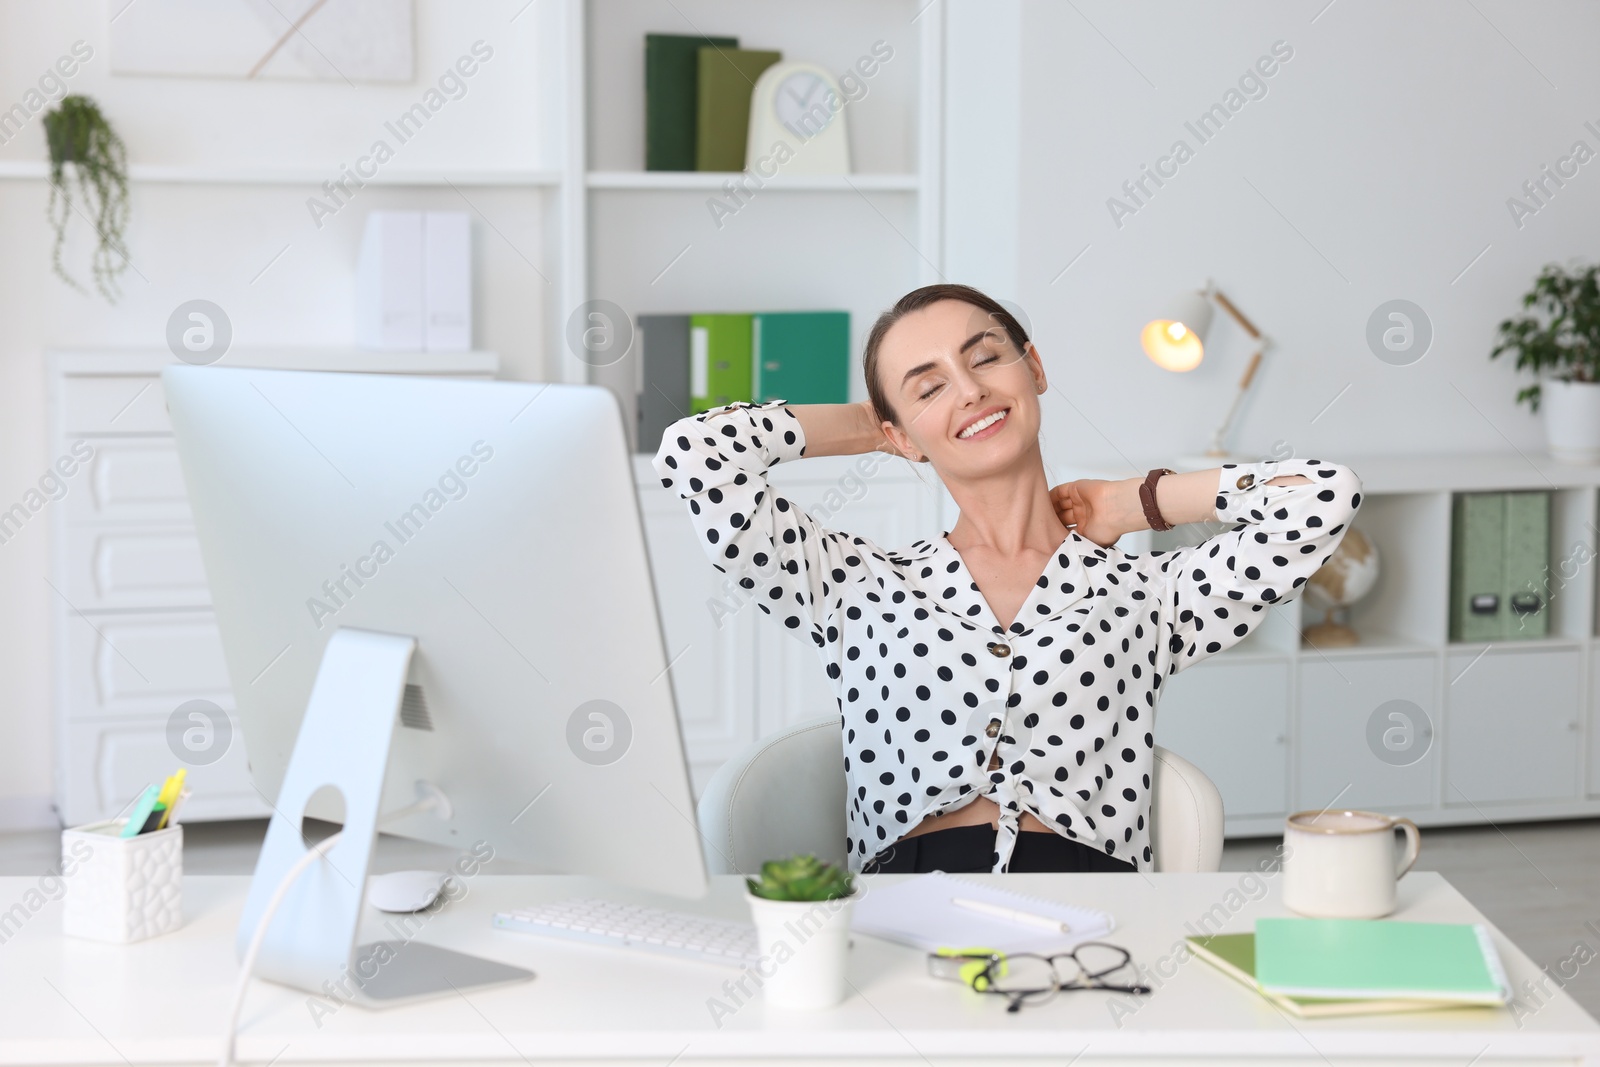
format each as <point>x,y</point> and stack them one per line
<point>1376,167</point>
<point>213,241</point>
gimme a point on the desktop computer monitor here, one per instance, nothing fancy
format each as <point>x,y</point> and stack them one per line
<point>451,575</point>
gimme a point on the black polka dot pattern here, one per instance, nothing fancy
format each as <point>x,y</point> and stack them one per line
<point>939,704</point>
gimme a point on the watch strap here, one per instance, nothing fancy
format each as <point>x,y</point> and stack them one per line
<point>1147,497</point>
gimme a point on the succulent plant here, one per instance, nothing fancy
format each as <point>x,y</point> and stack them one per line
<point>801,878</point>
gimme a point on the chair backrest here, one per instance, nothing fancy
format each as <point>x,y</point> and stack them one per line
<point>786,794</point>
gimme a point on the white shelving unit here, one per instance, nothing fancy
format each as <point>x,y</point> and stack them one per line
<point>857,241</point>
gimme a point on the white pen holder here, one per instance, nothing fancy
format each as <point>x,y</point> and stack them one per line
<point>121,889</point>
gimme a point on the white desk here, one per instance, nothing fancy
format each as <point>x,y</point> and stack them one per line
<point>65,1001</point>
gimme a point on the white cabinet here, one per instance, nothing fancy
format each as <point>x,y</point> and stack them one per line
<point>707,628</point>
<point>134,635</point>
<point>1367,733</point>
<point>1232,721</point>
<point>1513,726</point>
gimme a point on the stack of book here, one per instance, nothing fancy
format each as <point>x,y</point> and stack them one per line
<point>695,362</point>
<point>1322,967</point>
<point>697,101</point>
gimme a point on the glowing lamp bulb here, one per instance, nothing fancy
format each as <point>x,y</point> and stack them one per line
<point>1172,345</point>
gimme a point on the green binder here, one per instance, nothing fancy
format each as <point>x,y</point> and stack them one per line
<point>671,81</point>
<point>719,360</point>
<point>722,117</point>
<point>801,356</point>
<point>1527,564</point>
<point>1366,958</point>
<point>1499,559</point>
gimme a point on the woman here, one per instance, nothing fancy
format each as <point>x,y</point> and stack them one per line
<point>997,684</point>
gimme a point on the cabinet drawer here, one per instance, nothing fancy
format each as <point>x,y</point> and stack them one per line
<point>132,567</point>
<point>1367,730</point>
<point>104,766</point>
<point>141,665</point>
<point>130,480</point>
<point>112,403</point>
<point>1232,721</point>
<point>1511,725</point>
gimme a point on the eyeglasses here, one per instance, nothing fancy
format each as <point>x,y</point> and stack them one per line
<point>1029,978</point>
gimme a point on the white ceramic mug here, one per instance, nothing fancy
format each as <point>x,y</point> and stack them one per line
<point>1342,864</point>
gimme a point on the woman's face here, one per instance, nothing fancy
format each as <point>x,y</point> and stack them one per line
<point>967,400</point>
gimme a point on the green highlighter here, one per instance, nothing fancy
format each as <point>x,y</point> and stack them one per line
<point>141,811</point>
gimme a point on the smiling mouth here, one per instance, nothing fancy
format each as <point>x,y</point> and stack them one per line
<point>984,426</point>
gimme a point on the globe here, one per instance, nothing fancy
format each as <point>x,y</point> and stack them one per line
<point>1349,575</point>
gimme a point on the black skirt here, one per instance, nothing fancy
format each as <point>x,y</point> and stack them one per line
<point>970,850</point>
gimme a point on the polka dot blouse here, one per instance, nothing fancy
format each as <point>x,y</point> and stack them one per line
<point>940,704</point>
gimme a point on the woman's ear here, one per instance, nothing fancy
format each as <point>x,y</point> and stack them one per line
<point>1036,368</point>
<point>901,442</point>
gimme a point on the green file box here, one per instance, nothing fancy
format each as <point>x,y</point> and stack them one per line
<point>1528,588</point>
<point>719,360</point>
<point>801,356</point>
<point>1499,565</point>
<point>722,119</point>
<point>671,91</point>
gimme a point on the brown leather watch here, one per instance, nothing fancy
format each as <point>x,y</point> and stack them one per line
<point>1147,497</point>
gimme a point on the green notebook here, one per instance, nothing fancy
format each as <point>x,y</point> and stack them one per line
<point>719,360</point>
<point>801,356</point>
<point>1379,959</point>
<point>722,108</point>
<point>1235,956</point>
<point>671,80</point>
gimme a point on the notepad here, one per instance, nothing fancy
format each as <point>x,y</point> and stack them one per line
<point>1379,959</point>
<point>1235,956</point>
<point>918,912</point>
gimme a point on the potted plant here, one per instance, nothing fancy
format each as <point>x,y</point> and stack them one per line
<point>88,177</point>
<point>801,907</point>
<point>1561,344</point>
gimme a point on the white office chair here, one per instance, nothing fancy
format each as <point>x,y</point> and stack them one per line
<point>786,794</point>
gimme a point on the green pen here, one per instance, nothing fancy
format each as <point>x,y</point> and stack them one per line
<point>141,811</point>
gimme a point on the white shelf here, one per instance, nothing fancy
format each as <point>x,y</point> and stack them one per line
<point>714,181</point>
<point>38,170</point>
<point>1373,643</point>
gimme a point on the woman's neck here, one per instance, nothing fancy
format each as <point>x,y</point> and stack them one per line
<point>1007,512</point>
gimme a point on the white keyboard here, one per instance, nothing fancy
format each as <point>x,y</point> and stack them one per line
<point>608,922</point>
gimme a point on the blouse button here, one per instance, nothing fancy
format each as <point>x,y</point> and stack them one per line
<point>999,649</point>
<point>1246,481</point>
<point>993,729</point>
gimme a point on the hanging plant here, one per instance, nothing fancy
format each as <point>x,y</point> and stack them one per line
<point>89,178</point>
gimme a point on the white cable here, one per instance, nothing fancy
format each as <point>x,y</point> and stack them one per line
<point>247,968</point>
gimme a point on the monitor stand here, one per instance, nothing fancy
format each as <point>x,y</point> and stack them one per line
<point>344,741</point>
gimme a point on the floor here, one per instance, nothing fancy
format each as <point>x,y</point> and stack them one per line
<point>1538,882</point>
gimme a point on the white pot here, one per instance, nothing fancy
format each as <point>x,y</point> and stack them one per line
<point>805,946</point>
<point>1571,420</point>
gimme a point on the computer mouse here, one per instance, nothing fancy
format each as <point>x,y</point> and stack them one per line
<point>404,890</point>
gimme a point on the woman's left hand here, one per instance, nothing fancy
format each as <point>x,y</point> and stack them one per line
<point>1089,507</point>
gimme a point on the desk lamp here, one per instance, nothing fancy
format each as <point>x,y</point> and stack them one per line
<point>1175,341</point>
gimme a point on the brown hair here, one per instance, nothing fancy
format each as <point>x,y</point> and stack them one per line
<point>915,301</point>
